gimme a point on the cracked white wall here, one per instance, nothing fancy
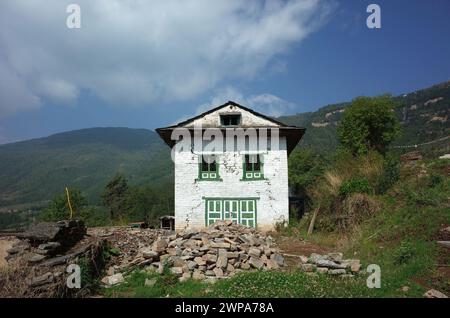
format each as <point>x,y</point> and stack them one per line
<point>273,203</point>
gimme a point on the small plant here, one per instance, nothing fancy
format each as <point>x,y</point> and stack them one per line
<point>436,179</point>
<point>355,185</point>
<point>390,174</point>
<point>114,251</point>
<point>403,253</point>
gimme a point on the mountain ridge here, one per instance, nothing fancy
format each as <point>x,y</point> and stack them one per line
<point>33,171</point>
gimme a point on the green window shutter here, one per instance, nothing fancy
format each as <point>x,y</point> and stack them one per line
<point>252,168</point>
<point>208,171</point>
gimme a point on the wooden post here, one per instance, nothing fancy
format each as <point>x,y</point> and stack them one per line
<point>313,220</point>
<point>70,205</point>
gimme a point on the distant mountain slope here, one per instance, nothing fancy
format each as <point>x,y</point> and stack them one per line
<point>424,115</point>
<point>33,171</point>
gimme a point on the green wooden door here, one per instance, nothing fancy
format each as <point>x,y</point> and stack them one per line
<point>248,213</point>
<point>238,210</point>
<point>213,211</point>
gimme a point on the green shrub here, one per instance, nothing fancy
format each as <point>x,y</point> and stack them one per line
<point>436,179</point>
<point>95,216</point>
<point>403,253</point>
<point>355,185</point>
<point>390,174</point>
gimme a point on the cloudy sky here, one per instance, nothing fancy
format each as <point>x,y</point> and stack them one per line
<point>148,63</point>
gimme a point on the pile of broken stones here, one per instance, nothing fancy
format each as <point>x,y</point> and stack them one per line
<point>40,255</point>
<point>331,264</point>
<point>219,251</point>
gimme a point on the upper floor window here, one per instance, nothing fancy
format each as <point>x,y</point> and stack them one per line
<point>208,168</point>
<point>230,120</point>
<point>253,167</point>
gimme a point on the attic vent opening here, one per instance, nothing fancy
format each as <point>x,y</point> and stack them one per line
<point>230,120</point>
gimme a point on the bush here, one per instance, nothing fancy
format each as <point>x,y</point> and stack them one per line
<point>355,209</point>
<point>95,216</point>
<point>390,174</point>
<point>436,179</point>
<point>403,253</point>
<point>58,209</point>
<point>355,185</point>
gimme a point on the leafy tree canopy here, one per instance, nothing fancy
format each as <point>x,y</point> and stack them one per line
<point>304,167</point>
<point>369,123</point>
<point>114,195</point>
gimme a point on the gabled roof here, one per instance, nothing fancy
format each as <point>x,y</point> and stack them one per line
<point>190,120</point>
<point>292,133</point>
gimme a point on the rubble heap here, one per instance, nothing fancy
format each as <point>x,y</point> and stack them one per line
<point>37,262</point>
<point>126,244</point>
<point>331,264</point>
<point>219,251</point>
<point>65,232</point>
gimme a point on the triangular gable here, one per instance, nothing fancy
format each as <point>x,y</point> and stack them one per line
<point>250,118</point>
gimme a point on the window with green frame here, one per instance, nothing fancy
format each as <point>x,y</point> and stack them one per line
<point>208,168</point>
<point>253,167</point>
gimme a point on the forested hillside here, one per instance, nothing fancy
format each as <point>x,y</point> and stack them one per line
<point>33,171</point>
<point>423,114</point>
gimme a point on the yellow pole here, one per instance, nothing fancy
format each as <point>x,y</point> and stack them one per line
<point>68,201</point>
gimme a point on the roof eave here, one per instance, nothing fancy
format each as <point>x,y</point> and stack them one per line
<point>293,134</point>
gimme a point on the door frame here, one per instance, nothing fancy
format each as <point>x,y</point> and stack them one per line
<point>222,207</point>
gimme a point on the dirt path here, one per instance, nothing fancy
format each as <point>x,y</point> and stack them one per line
<point>291,248</point>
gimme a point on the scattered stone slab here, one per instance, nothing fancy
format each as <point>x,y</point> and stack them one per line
<point>222,259</point>
<point>337,272</point>
<point>36,258</point>
<point>148,253</point>
<point>150,282</point>
<point>44,279</point>
<point>113,279</point>
<point>331,264</point>
<point>256,262</point>
<point>308,267</point>
<point>444,243</point>
<point>433,293</point>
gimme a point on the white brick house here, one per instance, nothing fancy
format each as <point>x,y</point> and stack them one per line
<point>240,182</point>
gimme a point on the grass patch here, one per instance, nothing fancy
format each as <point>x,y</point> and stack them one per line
<point>167,285</point>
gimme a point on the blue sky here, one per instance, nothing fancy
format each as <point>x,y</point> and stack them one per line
<point>150,65</point>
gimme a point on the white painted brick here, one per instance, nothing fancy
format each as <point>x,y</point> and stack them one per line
<point>273,203</point>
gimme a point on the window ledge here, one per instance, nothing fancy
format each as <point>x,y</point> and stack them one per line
<point>253,179</point>
<point>217,179</point>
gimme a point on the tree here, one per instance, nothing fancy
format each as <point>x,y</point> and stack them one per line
<point>58,209</point>
<point>114,196</point>
<point>304,167</point>
<point>148,203</point>
<point>369,123</point>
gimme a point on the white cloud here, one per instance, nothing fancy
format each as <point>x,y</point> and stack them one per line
<point>136,52</point>
<point>14,93</point>
<point>266,104</point>
<point>57,89</point>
